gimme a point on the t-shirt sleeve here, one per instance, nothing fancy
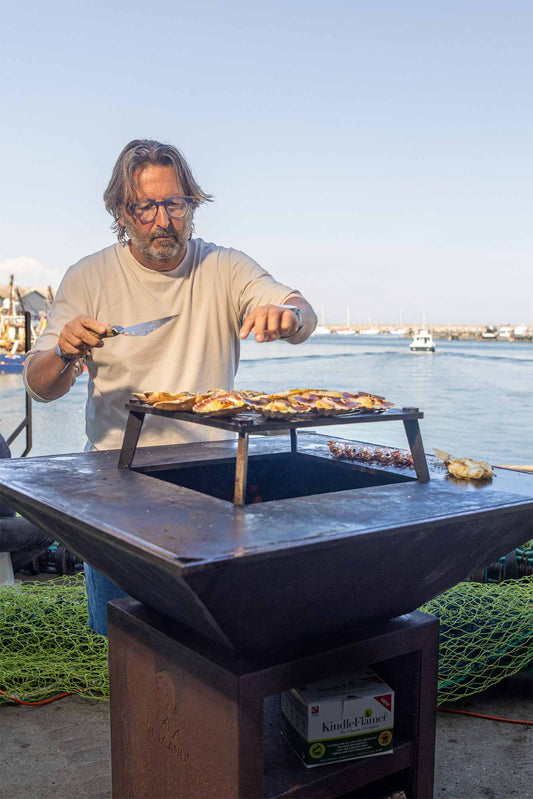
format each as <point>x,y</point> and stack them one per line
<point>251,285</point>
<point>72,299</point>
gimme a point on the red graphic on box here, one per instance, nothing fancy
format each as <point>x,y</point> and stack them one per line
<point>314,709</point>
<point>385,700</point>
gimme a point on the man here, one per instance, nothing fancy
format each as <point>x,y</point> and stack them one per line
<point>157,269</point>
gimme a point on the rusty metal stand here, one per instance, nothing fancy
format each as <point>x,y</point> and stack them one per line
<point>188,721</point>
<point>241,470</point>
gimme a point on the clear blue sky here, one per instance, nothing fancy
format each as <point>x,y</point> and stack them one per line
<point>375,155</point>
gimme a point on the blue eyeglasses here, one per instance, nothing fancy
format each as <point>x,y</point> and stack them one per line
<point>146,210</point>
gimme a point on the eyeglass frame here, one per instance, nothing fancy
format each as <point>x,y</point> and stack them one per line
<point>132,206</point>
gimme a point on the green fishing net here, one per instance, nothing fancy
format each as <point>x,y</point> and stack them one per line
<point>46,646</point>
<point>486,634</point>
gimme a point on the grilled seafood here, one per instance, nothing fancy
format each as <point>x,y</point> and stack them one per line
<point>367,454</point>
<point>183,404</point>
<point>325,403</point>
<point>165,401</point>
<point>151,397</point>
<point>221,403</point>
<point>465,468</point>
<point>320,402</point>
<point>280,405</point>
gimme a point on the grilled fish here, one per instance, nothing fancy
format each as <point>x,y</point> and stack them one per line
<point>465,468</point>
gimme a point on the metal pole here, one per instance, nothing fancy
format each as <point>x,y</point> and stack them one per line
<point>27,421</point>
<point>241,470</point>
<point>414,438</point>
<point>131,437</point>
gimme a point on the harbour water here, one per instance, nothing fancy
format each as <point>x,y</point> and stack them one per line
<point>477,396</point>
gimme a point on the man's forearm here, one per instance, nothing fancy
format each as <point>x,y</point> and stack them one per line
<point>309,319</point>
<point>43,375</point>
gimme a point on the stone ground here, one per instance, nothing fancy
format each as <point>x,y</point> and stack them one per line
<point>61,750</point>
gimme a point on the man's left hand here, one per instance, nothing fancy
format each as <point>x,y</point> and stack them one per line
<point>270,322</point>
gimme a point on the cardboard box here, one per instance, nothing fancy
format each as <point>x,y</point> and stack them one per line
<point>339,718</point>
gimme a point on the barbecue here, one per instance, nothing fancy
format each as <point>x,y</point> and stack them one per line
<point>260,564</point>
<point>219,534</point>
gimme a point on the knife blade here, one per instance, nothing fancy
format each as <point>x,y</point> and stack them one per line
<point>138,330</point>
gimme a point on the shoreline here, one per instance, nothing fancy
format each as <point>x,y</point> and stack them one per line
<point>518,334</point>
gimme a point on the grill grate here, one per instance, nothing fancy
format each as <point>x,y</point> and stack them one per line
<point>249,422</point>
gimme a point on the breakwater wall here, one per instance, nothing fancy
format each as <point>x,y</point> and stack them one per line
<point>446,332</point>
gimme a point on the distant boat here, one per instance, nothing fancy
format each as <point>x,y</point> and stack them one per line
<point>422,342</point>
<point>321,330</point>
<point>521,331</point>
<point>11,363</point>
<point>398,332</point>
<point>370,331</point>
<point>346,331</point>
<point>506,333</point>
<point>490,333</point>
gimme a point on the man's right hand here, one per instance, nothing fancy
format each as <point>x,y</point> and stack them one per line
<point>80,335</point>
<point>45,372</point>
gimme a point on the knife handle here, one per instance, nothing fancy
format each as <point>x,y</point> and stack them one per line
<point>110,332</point>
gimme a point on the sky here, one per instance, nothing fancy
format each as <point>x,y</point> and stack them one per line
<point>377,156</point>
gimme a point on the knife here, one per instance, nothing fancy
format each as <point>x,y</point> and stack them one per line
<point>137,330</point>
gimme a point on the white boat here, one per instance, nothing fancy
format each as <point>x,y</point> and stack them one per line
<point>490,332</point>
<point>322,329</point>
<point>345,331</point>
<point>399,332</point>
<point>506,333</point>
<point>348,329</point>
<point>521,331</point>
<point>422,342</point>
<point>370,331</point>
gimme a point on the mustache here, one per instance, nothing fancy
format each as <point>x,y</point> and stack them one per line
<point>161,232</point>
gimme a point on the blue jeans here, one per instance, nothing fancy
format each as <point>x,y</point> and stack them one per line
<point>100,591</point>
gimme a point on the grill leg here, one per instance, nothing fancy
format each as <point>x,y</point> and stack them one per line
<point>131,437</point>
<point>414,438</point>
<point>189,721</point>
<point>241,470</point>
<point>294,440</point>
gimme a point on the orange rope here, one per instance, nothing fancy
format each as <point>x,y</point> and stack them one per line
<point>483,716</point>
<point>520,468</point>
<point>33,704</point>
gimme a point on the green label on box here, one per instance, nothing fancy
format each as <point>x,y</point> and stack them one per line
<point>314,753</point>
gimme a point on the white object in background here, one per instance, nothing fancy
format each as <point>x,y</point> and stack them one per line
<point>6,569</point>
<point>422,342</point>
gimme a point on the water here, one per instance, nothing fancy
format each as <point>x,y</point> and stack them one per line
<point>477,397</point>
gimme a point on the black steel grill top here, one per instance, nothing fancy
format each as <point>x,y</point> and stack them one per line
<point>275,574</point>
<point>193,529</point>
<point>253,422</point>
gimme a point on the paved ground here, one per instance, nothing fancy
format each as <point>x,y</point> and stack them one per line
<point>61,750</point>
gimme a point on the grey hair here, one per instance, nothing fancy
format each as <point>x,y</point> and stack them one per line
<point>139,153</point>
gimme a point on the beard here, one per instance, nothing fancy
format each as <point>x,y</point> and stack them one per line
<point>161,244</point>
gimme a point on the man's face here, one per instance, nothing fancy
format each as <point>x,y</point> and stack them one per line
<point>160,245</point>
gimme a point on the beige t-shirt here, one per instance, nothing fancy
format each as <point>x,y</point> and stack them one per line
<point>212,290</point>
